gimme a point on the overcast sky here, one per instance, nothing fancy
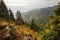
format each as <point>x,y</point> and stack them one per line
<point>27,5</point>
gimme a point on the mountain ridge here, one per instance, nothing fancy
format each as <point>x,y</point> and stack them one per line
<point>39,15</point>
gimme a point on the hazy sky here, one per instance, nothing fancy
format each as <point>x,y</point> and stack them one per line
<point>26,5</point>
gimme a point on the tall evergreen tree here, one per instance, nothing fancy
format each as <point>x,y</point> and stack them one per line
<point>19,18</point>
<point>57,10</point>
<point>53,29</point>
<point>11,15</point>
<point>56,23</point>
<point>33,26</point>
<point>3,10</point>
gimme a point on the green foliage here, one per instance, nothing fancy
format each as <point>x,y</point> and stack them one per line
<point>3,10</point>
<point>57,10</point>
<point>19,18</point>
<point>11,15</point>
<point>33,26</point>
<point>52,30</point>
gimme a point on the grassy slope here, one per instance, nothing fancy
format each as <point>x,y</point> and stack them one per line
<point>26,30</point>
<point>22,29</point>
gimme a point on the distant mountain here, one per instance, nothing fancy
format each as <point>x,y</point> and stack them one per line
<point>41,16</point>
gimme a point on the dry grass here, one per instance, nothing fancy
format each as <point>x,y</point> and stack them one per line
<point>22,30</point>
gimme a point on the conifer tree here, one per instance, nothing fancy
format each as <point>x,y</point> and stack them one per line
<point>11,15</point>
<point>56,22</point>
<point>33,26</point>
<point>53,29</point>
<point>19,18</point>
<point>3,10</point>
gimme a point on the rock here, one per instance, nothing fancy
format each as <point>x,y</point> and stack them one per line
<point>7,33</point>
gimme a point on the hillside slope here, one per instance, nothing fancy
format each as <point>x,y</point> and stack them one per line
<point>27,32</point>
<point>41,16</point>
<point>22,31</point>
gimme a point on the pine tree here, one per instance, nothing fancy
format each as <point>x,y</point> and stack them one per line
<point>33,26</point>
<point>57,10</point>
<point>57,23</point>
<point>53,29</point>
<point>11,15</point>
<point>19,18</point>
<point>3,10</point>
